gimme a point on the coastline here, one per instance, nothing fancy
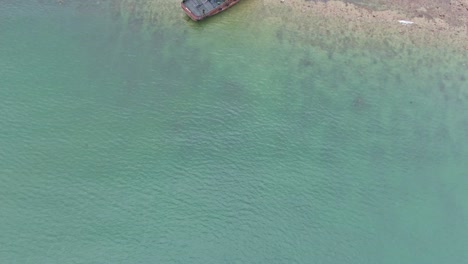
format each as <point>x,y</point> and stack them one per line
<point>443,26</point>
<point>370,24</point>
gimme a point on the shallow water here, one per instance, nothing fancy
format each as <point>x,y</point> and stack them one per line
<point>146,138</point>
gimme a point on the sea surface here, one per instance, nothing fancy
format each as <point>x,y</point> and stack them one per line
<point>130,134</point>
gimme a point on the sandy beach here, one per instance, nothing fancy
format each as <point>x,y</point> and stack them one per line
<point>379,23</point>
<point>438,24</point>
<point>420,22</point>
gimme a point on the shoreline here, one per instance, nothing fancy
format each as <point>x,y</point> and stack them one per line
<point>373,24</point>
<point>431,26</point>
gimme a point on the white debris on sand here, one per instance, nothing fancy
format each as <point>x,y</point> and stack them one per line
<point>405,22</point>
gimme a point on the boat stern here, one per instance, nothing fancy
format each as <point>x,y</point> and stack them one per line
<point>188,12</point>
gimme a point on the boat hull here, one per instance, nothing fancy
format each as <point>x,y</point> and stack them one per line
<point>197,12</point>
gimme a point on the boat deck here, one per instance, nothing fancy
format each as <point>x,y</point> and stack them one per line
<point>197,6</point>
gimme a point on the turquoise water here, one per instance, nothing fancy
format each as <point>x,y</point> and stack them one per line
<point>135,138</point>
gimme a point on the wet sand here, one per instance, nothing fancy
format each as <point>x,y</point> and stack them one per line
<point>370,24</point>
<point>434,23</point>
